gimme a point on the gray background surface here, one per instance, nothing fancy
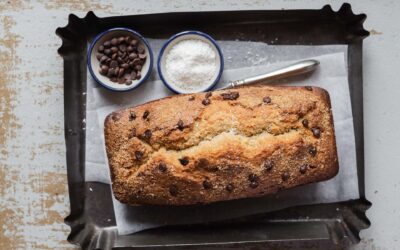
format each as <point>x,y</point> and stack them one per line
<point>33,190</point>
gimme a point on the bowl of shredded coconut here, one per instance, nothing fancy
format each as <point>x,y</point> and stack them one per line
<point>190,62</point>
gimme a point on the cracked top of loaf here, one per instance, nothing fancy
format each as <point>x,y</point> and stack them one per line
<point>222,145</point>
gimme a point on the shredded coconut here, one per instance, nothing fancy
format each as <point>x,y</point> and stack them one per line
<point>191,65</point>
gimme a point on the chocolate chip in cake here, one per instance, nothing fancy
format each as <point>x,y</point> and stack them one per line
<point>309,88</point>
<point>229,187</point>
<point>285,176</point>
<point>202,163</point>
<point>268,165</point>
<point>206,102</point>
<point>115,117</point>
<point>147,134</point>
<point>138,155</point>
<point>180,125</point>
<point>184,160</point>
<point>162,167</point>
<point>312,166</point>
<point>207,184</point>
<point>173,190</point>
<point>303,168</point>
<point>133,133</point>
<point>208,95</point>
<point>230,95</point>
<point>253,178</point>
<point>312,150</point>
<point>305,123</point>
<point>191,98</point>
<point>254,184</point>
<point>145,114</point>
<point>267,99</point>
<point>132,116</point>
<point>316,132</point>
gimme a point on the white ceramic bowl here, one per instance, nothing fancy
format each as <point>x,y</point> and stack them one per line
<point>94,64</point>
<point>186,35</point>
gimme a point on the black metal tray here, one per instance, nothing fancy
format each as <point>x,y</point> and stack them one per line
<point>325,226</point>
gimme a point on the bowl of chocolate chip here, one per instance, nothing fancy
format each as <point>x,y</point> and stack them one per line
<point>120,59</point>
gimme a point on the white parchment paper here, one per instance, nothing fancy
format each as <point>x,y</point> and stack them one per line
<point>247,59</point>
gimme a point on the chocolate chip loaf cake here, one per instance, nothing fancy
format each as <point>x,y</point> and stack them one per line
<point>222,145</point>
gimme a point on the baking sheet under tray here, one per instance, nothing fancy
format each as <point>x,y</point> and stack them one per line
<point>92,218</point>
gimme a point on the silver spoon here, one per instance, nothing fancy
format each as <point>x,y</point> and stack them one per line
<point>296,69</point>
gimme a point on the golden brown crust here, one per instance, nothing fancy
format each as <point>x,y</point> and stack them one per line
<point>237,143</point>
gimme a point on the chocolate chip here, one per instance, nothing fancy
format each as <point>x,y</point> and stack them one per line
<point>142,56</point>
<point>134,42</point>
<point>103,59</point>
<point>132,116</point>
<point>316,132</point>
<point>207,184</point>
<point>180,125</point>
<point>312,150</point>
<point>107,51</point>
<point>114,41</point>
<point>107,44</point>
<point>113,64</point>
<point>147,134</point>
<point>128,39</point>
<point>114,79</point>
<point>184,161</point>
<point>132,56</point>
<point>191,98</point>
<point>104,69</point>
<point>312,166</point>
<point>136,61</point>
<point>100,48</point>
<point>267,99</point>
<point>253,184</point>
<point>115,117</point>
<point>253,178</point>
<point>114,50</point>
<point>206,102</point>
<point>121,39</point>
<point>125,65</point>
<point>285,176</point>
<point>133,75</point>
<point>230,95</point>
<point>138,75</point>
<point>309,88</point>
<point>133,133</point>
<point>129,48</point>
<point>121,72</point>
<point>162,167</point>
<point>208,95</point>
<point>202,163</point>
<point>137,67</point>
<point>268,165</point>
<point>229,187</point>
<point>173,190</point>
<point>141,49</point>
<point>99,56</point>
<point>138,155</point>
<point>145,114</point>
<point>303,168</point>
<point>305,123</point>
<point>122,47</point>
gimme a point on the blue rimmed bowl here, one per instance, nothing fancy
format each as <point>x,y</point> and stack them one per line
<point>188,35</point>
<point>94,64</point>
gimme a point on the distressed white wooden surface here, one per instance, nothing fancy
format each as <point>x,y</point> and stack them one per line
<point>33,189</point>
